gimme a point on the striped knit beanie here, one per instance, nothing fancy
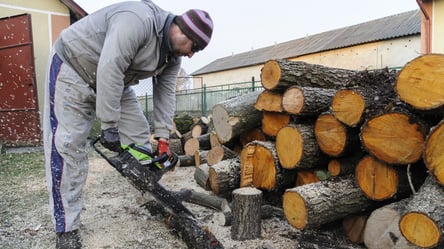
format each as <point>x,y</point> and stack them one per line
<point>196,25</point>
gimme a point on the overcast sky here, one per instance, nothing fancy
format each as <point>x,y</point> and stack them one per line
<point>243,25</point>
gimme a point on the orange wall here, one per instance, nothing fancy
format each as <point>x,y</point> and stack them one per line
<point>58,23</point>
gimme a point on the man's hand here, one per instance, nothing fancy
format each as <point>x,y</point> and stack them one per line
<point>110,139</point>
<point>163,146</point>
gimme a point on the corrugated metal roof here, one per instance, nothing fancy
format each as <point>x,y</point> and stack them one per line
<point>404,24</point>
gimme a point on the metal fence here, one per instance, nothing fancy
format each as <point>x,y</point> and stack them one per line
<point>199,102</point>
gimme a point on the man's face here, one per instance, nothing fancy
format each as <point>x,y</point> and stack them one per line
<point>181,44</point>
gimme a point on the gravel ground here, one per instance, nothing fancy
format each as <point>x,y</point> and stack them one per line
<point>113,216</point>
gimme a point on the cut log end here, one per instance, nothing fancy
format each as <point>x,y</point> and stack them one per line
<point>264,176</point>
<point>289,146</point>
<point>293,100</point>
<point>427,236</point>
<point>377,180</point>
<point>334,167</point>
<point>434,153</point>
<point>348,107</point>
<point>270,74</point>
<point>295,210</point>
<point>330,134</point>
<point>222,124</point>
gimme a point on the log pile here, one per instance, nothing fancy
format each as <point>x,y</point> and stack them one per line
<point>326,145</point>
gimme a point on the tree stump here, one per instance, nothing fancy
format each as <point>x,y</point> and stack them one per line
<point>234,116</point>
<point>423,222</point>
<point>246,210</point>
<point>434,152</point>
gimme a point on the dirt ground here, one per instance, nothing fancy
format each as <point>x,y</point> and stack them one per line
<point>113,216</point>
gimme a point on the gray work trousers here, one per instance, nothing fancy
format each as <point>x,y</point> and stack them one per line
<point>67,121</point>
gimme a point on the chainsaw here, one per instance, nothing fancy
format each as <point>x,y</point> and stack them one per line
<point>144,170</point>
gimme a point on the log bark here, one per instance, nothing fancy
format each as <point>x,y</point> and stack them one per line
<point>201,176</point>
<point>187,228</point>
<point>307,101</point>
<point>394,138</point>
<point>417,82</point>
<point>433,152</point>
<point>296,147</point>
<point>220,153</point>
<point>334,138</point>
<point>246,214</point>
<point>224,177</point>
<point>203,199</point>
<point>267,212</point>
<point>186,160</point>
<point>313,205</point>
<point>278,75</point>
<point>269,101</point>
<point>235,116</point>
<point>422,224</point>
<point>272,122</point>
<point>382,228</point>
<point>268,174</point>
<point>353,226</point>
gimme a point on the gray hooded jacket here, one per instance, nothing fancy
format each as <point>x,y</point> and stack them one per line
<point>117,46</point>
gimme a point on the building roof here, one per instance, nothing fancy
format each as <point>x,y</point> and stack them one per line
<point>400,25</point>
<point>76,11</point>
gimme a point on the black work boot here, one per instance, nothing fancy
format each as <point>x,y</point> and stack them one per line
<point>68,240</point>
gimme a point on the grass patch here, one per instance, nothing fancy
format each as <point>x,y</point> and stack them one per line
<point>22,164</point>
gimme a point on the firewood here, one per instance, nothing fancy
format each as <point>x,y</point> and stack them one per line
<point>272,122</point>
<point>305,177</point>
<point>214,140</point>
<point>382,228</point>
<point>267,173</point>
<point>201,176</point>
<point>246,210</point>
<point>199,128</point>
<point>417,82</point>
<point>234,116</point>
<point>315,204</point>
<point>296,147</point>
<point>203,199</point>
<point>307,101</point>
<point>247,165</point>
<point>186,160</point>
<point>194,144</point>
<point>278,75</point>
<point>394,138</point>
<point>219,153</point>
<point>269,101</point>
<point>422,224</point>
<point>345,165</point>
<point>334,138</point>
<point>433,152</point>
<point>267,212</point>
<point>354,226</point>
<point>348,107</point>
<point>224,177</point>
<point>251,135</point>
<point>200,157</point>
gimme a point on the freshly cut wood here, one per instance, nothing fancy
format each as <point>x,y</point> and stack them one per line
<point>434,152</point>
<point>199,128</point>
<point>418,85</point>
<point>267,212</point>
<point>422,224</point>
<point>186,160</point>
<point>348,107</point>
<point>224,176</point>
<point>280,74</point>
<point>272,122</point>
<point>315,204</point>
<point>246,213</point>
<point>296,147</point>
<point>307,101</point>
<point>393,138</point>
<point>269,101</point>
<point>251,135</point>
<point>354,226</point>
<point>334,138</point>
<point>305,177</point>
<point>247,165</point>
<point>235,116</point>
<point>344,165</point>
<point>189,229</point>
<point>268,174</point>
<point>194,144</point>
<point>201,176</point>
<point>200,157</point>
<point>219,153</point>
<point>382,228</point>
<point>214,139</point>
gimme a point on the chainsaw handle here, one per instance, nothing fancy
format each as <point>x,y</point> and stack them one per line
<point>93,144</point>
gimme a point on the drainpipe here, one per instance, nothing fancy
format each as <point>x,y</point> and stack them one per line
<point>427,26</point>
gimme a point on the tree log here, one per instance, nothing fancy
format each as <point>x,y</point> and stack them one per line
<point>307,101</point>
<point>201,176</point>
<point>348,107</point>
<point>246,213</point>
<point>199,128</point>
<point>272,122</point>
<point>434,152</point>
<point>382,229</point>
<point>393,138</point>
<point>194,144</point>
<point>354,226</point>
<point>269,101</point>
<point>224,177</point>
<point>296,147</point>
<point>220,153</point>
<point>423,222</point>
<point>417,82</point>
<point>200,157</point>
<point>305,177</point>
<point>186,160</point>
<point>344,165</point>
<point>334,138</point>
<point>251,135</point>
<point>278,75</point>
<point>267,212</point>
<point>234,116</point>
<point>247,165</point>
<point>315,204</point>
<point>175,145</point>
<point>203,199</point>
<point>268,174</point>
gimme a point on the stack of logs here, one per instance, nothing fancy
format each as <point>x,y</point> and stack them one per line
<point>361,147</point>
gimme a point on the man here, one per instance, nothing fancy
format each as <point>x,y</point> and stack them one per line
<point>91,67</point>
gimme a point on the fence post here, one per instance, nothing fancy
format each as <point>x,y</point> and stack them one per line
<point>146,105</point>
<point>204,100</point>
<point>252,84</point>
